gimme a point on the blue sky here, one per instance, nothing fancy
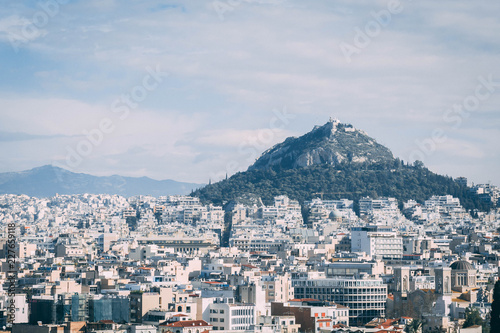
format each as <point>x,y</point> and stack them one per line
<point>235,77</point>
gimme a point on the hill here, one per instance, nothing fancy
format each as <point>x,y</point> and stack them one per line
<point>49,180</point>
<point>334,163</point>
<point>333,143</point>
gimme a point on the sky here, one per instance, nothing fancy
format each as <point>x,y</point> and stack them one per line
<point>194,90</point>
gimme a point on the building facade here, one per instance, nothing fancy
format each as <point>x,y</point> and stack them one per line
<point>365,298</point>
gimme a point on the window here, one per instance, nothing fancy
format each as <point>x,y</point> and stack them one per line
<point>221,311</point>
<point>221,320</point>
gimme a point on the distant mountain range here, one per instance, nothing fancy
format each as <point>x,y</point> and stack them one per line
<point>335,161</point>
<point>49,180</point>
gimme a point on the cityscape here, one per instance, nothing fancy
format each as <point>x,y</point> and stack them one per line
<point>249,166</point>
<point>109,263</point>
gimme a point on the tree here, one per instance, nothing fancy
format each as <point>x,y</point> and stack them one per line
<point>482,296</point>
<point>158,216</point>
<point>472,317</point>
<point>414,326</point>
<point>495,308</point>
<point>437,329</point>
<point>132,222</point>
<point>418,164</point>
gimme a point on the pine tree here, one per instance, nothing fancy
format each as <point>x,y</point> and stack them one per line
<point>472,317</point>
<point>495,309</point>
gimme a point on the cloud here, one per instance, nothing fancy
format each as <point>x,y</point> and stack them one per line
<point>51,116</point>
<point>227,75</point>
<point>19,136</point>
<point>15,29</point>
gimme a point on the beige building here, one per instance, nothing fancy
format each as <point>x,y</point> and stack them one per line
<point>141,303</point>
<point>277,288</point>
<point>66,286</point>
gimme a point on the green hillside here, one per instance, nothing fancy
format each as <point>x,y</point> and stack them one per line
<point>345,180</point>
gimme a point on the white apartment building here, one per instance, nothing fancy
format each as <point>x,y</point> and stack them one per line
<point>377,242</point>
<point>333,315</point>
<point>331,204</point>
<point>21,307</point>
<point>368,205</point>
<point>249,244</point>
<point>283,207</point>
<point>444,204</point>
<point>231,316</point>
<point>212,215</point>
<point>183,200</point>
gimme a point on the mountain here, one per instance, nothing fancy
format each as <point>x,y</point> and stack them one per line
<point>332,144</point>
<point>335,161</point>
<point>49,180</point>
